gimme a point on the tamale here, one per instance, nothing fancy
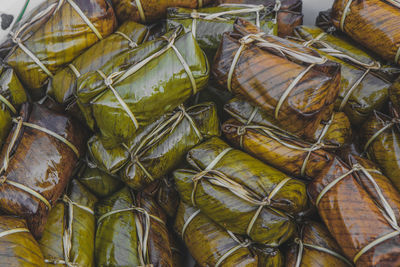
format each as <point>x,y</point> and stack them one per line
<point>131,232</point>
<point>157,149</point>
<point>241,193</point>
<point>364,225</point>
<point>38,158</point>
<point>165,72</point>
<point>17,245</point>
<point>268,71</point>
<point>68,238</point>
<point>315,247</point>
<point>62,86</point>
<point>210,244</point>
<point>53,35</point>
<point>373,23</point>
<point>151,10</point>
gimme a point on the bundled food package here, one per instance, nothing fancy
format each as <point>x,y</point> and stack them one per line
<point>157,149</point>
<point>360,208</point>
<point>131,231</point>
<point>292,5</point>
<point>293,84</point>
<point>52,36</point>
<point>38,160</point>
<point>17,245</point>
<point>241,193</point>
<point>137,87</point>
<point>68,238</point>
<point>372,23</point>
<point>315,246</point>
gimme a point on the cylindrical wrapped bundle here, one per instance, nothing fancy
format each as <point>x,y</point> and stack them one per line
<point>38,158</point>
<point>359,19</point>
<point>68,238</point>
<point>12,96</point>
<point>17,245</point>
<point>53,35</point>
<point>381,140</point>
<point>131,232</point>
<point>362,88</point>
<point>315,247</point>
<point>165,72</point>
<point>158,148</point>
<point>62,86</point>
<point>294,85</point>
<point>241,193</point>
<point>151,10</point>
<point>364,225</point>
<point>210,244</point>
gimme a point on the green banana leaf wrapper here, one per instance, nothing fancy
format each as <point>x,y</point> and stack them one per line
<point>55,35</point>
<point>373,23</point>
<point>158,148</point>
<point>100,183</point>
<point>62,86</point>
<point>75,228</point>
<point>40,164</point>
<point>380,139</point>
<point>230,192</point>
<point>315,247</point>
<point>209,243</point>
<point>120,235</point>
<point>266,78</point>
<point>18,249</point>
<point>210,23</point>
<point>292,5</point>
<point>394,95</point>
<point>14,96</point>
<point>164,77</point>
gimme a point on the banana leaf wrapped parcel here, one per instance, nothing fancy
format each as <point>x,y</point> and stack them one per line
<point>293,84</point>
<point>157,149</point>
<point>240,193</point>
<point>135,88</point>
<point>315,247</point>
<point>292,5</point>
<point>38,160</point>
<point>53,35</point>
<point>373,23</point>
<point>17,245</point>
<point>360,208</point>
<point>131,231</point>
<point>68,238</point>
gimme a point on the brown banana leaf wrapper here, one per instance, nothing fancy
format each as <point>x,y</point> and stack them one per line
<point>55,35</point>
<point>324,21</point>
<point>164,77</point>
<point>120,234</point>
<point>359,19</point>
<point>209,243</point>
<point>241,193</point>
<point>63,85</point>
<point>269,257</point>
<point>75,228</point>
<point>178,250</point>
<point>315,247</point>
<point>151,10</point>
<point>39,164</point>
<point>298,107</point>
<point>158,148</point>
<point>363,224</point>
<point>20,248</point>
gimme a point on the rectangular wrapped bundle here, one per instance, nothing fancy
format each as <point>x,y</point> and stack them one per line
<point>131,231</point>
<point>372,23</point>
<point>68,238</point>
<point>17,245</point>
<point>53,35</point>
<point>137,87</point>
<point>158,148</point>
<point>360,208</point>
<point>292,5</point>
<point>294,85</point>
<point>38,160</point>
<point>241,193</point>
